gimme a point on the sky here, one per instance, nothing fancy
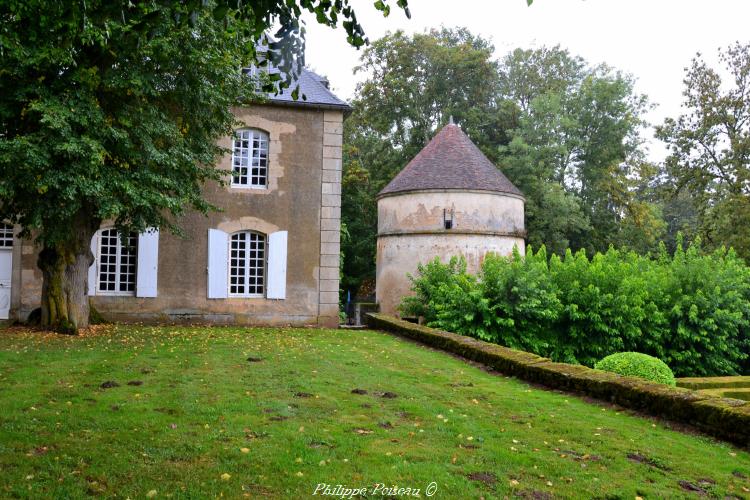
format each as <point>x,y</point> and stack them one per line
<point>653,40</point>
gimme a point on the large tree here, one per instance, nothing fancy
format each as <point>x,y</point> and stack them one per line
<point>708,168</point>
<point>111,110</point>
<point>576,153</point>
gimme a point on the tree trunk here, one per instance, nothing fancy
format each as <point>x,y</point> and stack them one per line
<point>64,266</point>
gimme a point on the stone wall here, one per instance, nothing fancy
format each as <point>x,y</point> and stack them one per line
<point>411,231</point>
<point>473,211</point>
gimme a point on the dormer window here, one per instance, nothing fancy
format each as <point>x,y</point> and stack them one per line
<point>262,68</point>
<point>258,73</point>
<point>250,159</point>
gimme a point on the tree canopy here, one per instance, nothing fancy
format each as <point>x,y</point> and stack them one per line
<point>576,153</point>
<point>707,173</point>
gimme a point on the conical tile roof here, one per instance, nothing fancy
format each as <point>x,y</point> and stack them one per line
<point>450,161</point>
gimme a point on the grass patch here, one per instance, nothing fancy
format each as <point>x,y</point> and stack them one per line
<point>201,412</point>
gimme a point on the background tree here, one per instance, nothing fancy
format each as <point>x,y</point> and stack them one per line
<point>577,153</point>
<point>708,168</point>
<point>110,110</point>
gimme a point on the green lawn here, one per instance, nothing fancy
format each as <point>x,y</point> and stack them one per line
<point>199,420</point>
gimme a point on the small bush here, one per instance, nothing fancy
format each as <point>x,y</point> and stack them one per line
<point>636,364</point>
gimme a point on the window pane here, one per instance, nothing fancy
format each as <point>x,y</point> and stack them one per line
<point>247,265</point>
<point>117,262</point>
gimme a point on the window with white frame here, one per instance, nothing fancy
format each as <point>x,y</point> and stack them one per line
<point>250,159</point>
<point>117,263</point>
<point>6,235</point>
<point>247,264</point>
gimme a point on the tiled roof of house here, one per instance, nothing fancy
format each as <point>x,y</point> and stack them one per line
<point>450,161</point>
<point>313,92</point>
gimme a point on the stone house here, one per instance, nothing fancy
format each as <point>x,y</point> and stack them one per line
<point>450,200</point>
<point>270,257</point>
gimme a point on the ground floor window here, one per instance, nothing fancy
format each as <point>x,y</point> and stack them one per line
<point>117,263</point>
<point>247,264</point>
<point>6,235</point>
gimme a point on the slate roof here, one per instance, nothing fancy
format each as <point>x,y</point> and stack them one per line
<point>315,90</point>
<point>450,161</point>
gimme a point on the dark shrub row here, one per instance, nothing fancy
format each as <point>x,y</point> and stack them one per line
<point>725,418</point>
<point>690,310</point>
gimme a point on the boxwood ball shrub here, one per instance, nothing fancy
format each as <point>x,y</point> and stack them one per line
<point>636,364</point>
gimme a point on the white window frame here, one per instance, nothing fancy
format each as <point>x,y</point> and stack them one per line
<point>247,266</point>
<point>6,235</point>
<point>237,158</point>
<point>118,264</point>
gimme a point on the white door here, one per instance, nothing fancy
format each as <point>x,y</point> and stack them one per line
<point>6,265</point>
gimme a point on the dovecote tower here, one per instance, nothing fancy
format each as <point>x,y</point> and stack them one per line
<point>450,200</point>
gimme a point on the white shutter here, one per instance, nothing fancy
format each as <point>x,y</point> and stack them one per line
<point>93,267</point>
<point>218,260</point>
<point>148,263</point>
<point>277,265</point>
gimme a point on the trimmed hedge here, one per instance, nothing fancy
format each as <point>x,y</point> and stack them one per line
<point>636,364</point>
<point>690,309</point>
<point>724,418</point>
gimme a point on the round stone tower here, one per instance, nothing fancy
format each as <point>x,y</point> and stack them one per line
<point>450,200</point>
